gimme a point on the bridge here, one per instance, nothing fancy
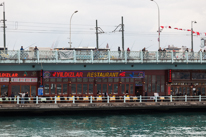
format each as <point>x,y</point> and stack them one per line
<point>90,57</point>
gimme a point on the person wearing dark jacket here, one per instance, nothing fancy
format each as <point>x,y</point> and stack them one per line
<point>26,97</point>
<point>12,97</point>
<point>145,94</point>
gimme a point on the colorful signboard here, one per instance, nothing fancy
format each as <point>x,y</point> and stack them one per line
<point>93,74</point>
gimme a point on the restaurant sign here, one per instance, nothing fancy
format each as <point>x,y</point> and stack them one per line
<point>93,74</point>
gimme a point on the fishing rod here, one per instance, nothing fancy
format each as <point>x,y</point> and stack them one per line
<point>133,44</point>
<point>30,45</point>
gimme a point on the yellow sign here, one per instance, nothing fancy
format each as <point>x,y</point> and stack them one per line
<point>102,74</point>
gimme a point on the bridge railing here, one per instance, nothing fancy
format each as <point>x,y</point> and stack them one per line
<point>101,99</point>
<point>90,56</point>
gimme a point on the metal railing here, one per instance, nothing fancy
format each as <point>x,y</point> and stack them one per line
<point>72,56</point>
<point>101,99</point>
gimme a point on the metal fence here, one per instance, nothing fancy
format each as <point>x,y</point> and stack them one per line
<point>101,99</point>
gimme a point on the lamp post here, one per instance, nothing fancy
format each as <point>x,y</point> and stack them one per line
<point>70,28</point>
<point>192,34</point>
<point>158,23</point>
<point>4,25</point>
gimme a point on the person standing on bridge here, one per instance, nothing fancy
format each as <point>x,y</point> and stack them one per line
<point>119,51</point>
<point>35,51</point>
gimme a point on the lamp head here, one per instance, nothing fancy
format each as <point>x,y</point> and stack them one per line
<point>76,11</point>
<point>151,0</point>
<point>1,4</point>
<point>195,21</point>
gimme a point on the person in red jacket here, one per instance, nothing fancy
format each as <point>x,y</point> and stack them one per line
<point>128,52</point>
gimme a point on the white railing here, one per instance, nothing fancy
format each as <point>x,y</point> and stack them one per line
<point>90,56</point>
<point>102,99</point>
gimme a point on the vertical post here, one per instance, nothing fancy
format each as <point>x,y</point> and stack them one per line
<point>97,42</point>
<point>107,99</point>
<point>187,57</point>
<point>125,56</point>
<point>18,53</point>
<point>199,98</point>
<point>4,25</point>
<point>155,98</point>
<point>191,35</point>
<point>17,100</point>
<point>37,100</point>
<point>90,99</point>
<point>141,56</point>
<point>37,56</point>
<point>73,99</point>
<point>56,55</point>
<point>140,98</point>
<point>74,59</point>
<point>157,56</point>
<point>122,35</point>
<point>55,99</point>
<point>201,57</point>
<point>92,56</point>
<point>185,98</point>
<point>109,56</point>
<point>170,98</point>
<point>124,99</point>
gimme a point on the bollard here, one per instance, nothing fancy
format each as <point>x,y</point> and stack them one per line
<point>155,98</point>
<point>107,99</point>
<point>185,98</point>
<point>73,99</point>
<point>170,98</point>
<point>55,99</point>
<point>17,99</point>
<point>199,98</point>
<point>124,99</point>
<point>90,99</point>
<point>140,98</point>
<point>37,100</point>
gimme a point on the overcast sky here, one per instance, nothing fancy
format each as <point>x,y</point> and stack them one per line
<point>45,23</point>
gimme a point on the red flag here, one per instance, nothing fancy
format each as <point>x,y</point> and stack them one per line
<point>170,27</point>
<point>175,28</point>
<point>193,32</point>
<point>162,27</point>
<point>180,29</point>
<point>198,33</point>
<point>205,34</point>
<point>188,30</point>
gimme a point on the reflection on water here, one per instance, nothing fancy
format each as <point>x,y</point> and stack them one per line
<point>106,125</point>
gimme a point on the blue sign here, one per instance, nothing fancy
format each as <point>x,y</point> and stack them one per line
<point>40,91</point>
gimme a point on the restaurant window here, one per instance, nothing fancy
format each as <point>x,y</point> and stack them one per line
<point>84,88</point>
<point>99,80</point>
<point>123,88</point>
<point>85,79</point>
<point>104,80</point>
<point>59,88</point>
<point>122,79</point>
<point>65,79</point>
<point>180,90</point>
<point>115,88</point>
<point>46,79</point>
<point>91,79</point>
<point>162,83</point>
<point>4,88</point>
<point>73,89</point>
<point>52,79</point>
<point>110,79</point>
<point>79,88</point>
<point>127,88</point>
<point>46,89</point>
<point>52,88</point>
<point>90,88</point>
<point>99,88</point>
<point>127,79</point>
<point>198,76</point>
<point>131,89</point>
<point>180,75</point>
<point>59,79</point>
<point>153,83</point>
<point>110,89</point>
<point>104,88</point>
<point>33,91</point>
<point>203,91</point>
<point>116,79</point>
<point>149,83</point>
<point>79,79</point>
<point>184,91</point>
<point>65,89</point>
<point>25,88</point>
<point>188,91</point>
<point>145,83</point>
<point>73,79</point>
<point>131,79</point>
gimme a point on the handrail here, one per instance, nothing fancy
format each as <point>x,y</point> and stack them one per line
<point>74,56</point>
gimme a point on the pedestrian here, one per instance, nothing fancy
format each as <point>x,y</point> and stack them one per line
<point>22,97</point>
<point>145,94</point>
<point>198,92</point>
<point>26,97</point>
<point>164,53</point>
<point>143,51</point>
<point>21,52</point>
<point>128,52</point>
<point>35,51</point>
<point>137,94</point>
<point>12,97</point>
<point>160,52</point>
<point>21,49</point>
<point>119,51</point>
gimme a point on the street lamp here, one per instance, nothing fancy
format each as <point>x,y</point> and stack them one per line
<point>192,34</point>
<point>70,28</point>
<point>158,22</point>
<point>4,26</point>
